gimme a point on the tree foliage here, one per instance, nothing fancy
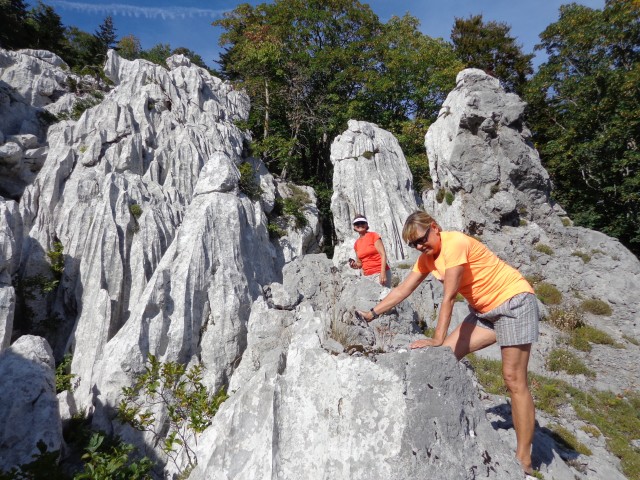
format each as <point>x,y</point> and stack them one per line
<point>490,47</point>
<point>14,32</point>
<point>310,66</point>
<point>585,115</point>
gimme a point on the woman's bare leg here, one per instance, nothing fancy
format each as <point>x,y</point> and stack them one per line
<point>467,338</point>
<point>515,362</point>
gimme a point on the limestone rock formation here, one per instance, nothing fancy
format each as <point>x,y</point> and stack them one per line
<point>300,409</point>
<point>370,177</point>
<point>35,87</point>
<point>485,171</point>
<point>10,244</point>
<point>162,251</point>
<point>28,403</point>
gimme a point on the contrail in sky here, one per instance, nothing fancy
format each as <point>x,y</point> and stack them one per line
<point>166,13</point>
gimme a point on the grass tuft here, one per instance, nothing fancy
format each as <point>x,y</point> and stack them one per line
<point>596,306</point>
<point>562,360</point>
<point>542,248</point>
<point>548,293</point>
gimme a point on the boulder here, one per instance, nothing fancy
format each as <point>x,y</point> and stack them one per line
<point>28,403</point>
<point>370,177</point>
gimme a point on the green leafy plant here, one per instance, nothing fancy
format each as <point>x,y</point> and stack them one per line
<point>596,306</point>
<point>112,459</point>
<point>548,293</point>
<point>449,197</point>
<point>562,360</point>
<point>63,376</point>
<point>542,248</point>
<point>248,182</point>
<point>189,405</point>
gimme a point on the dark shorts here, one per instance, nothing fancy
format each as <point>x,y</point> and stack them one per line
<point>515,321</point>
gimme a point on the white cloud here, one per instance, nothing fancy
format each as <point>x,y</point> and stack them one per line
<point>165,13</point>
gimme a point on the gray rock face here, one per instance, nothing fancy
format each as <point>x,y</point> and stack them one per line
<point>34,84</point>
<point>10,243</point>
<point>28,403</point>
<point>164,254</point>
<point>485,171</point>
<point>370,177</point>
<point>299,410</point>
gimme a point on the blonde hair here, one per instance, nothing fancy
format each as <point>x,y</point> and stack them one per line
<point>415,220</point>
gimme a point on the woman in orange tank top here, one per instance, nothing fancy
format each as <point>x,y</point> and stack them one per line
<point>370,253</point>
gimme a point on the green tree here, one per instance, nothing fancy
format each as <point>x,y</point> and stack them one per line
<point>157,54</point>
<point>105,37</point>
<point>47,29</point>
<point>15,30</point>
<point>129,47</point>
<point>82,48</point>
<point>490,47</point>
<point>309,66</point>
<point>585,115</point>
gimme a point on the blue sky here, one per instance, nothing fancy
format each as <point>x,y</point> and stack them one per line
<point>187,23</point>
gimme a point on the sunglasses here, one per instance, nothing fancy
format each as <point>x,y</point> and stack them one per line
<point>420,241</point>
<point>360,224</point>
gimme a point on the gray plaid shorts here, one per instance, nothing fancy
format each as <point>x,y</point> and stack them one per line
<point>514,321</point>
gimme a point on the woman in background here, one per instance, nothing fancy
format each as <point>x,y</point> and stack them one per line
<point>370,253</point>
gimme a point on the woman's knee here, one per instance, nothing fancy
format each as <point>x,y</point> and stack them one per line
<point>516,381</point>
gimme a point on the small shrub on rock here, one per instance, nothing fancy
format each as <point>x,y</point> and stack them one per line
<point>596,306</point>
<point>542,248</point>
<point>568,440</point>
<point>548,293</point>
<point>562,360</point>
<point>585,257</point>
<point>248,183</point>
<point>565,319</point>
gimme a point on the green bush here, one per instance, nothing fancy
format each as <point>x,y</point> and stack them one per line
<point>248,183</point>
<point>190,407</point>
<point>562,360</point>
<point>542,248</point>
<point>275,231</point>
<point>596,306</point>
<point>440,195</point>
<point>449,197</point>
<point>582,338</point>
<point>63,377</point>
<point>83,104</point>
<point>135,210</point>
<point>548,293</point>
